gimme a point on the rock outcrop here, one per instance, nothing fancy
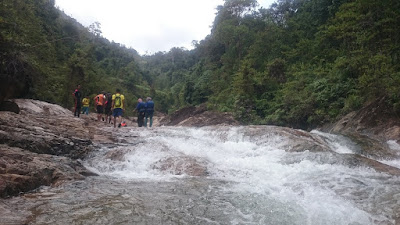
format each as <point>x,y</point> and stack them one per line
<point>22,170</point>
<point>198,116</point>
<point>39,146</point>
<point>181,165</point>
<point>371,127</point>
<point>46,129</point>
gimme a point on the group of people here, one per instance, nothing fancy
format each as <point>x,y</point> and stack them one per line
<point>108,105</point>
<point>145,112</point>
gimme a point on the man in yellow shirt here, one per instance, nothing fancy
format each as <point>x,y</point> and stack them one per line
<point>85,104</point>
<point>118,106</point>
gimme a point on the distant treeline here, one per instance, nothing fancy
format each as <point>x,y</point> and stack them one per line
<point>300,63</point>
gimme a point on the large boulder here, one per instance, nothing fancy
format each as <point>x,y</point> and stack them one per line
<point>22,170</point>
<point>38,146</point>
<point>183,165</point>
<point>45,128</point>
<point>40,108</point>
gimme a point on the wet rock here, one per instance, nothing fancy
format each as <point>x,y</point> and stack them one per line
<point>46,129</point>
<point>116,155</point>
<point>22,171</point>
<point>291,140</point>
<point>35,107</point>
<point>370,127</point>
<point>182,165</point>
<point>372,147</point>
<point>33,141</point>
<point>358,160</point>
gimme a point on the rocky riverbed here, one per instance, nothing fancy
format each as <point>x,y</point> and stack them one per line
<point>43,143</point>
<point>171,173</point>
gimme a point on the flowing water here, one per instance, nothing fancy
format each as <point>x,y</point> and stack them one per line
<point>215,175</point>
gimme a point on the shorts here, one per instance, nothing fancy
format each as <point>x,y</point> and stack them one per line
<point>117,112</point>
<point>107,111</point>
<point>99,109</point>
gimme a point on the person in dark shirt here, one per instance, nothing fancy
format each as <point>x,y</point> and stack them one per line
<point>141,110</point>
<point>78,101</point>
<point>107,107</point>
<point>149,111</point>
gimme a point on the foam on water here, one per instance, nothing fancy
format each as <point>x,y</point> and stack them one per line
<point>338,143</point>
<point>393,145</point>
<point>319,193</point>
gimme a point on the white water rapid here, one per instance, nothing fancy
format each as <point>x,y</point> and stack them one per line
<point>221,175</point>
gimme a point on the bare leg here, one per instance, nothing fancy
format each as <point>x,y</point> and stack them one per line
<point>120,120</point>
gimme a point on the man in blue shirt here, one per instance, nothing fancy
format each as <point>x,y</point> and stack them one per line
<point>149,111</point>
<point>141,110</point>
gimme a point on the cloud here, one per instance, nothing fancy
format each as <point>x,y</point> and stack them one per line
<point>147,26</point>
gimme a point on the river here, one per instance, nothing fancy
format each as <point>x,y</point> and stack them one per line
<point>216,175</point>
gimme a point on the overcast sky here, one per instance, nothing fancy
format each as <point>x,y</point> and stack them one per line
<point>148,26</point>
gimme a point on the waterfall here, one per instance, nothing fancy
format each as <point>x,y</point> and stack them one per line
<point>307,187</point>
<point>223,175</point>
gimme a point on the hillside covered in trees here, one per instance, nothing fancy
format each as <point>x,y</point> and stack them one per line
<point>45,54</point>
<point>300,63</point>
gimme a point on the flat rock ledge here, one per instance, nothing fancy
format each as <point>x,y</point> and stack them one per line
<point>41,145</point>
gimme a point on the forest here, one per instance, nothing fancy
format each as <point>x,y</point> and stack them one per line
<point>299,63</point>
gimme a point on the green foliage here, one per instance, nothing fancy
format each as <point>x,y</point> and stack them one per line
<point>300,63</point>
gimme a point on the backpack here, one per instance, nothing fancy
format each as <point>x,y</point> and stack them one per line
<point>117,101</point>
<point>85,101</point>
